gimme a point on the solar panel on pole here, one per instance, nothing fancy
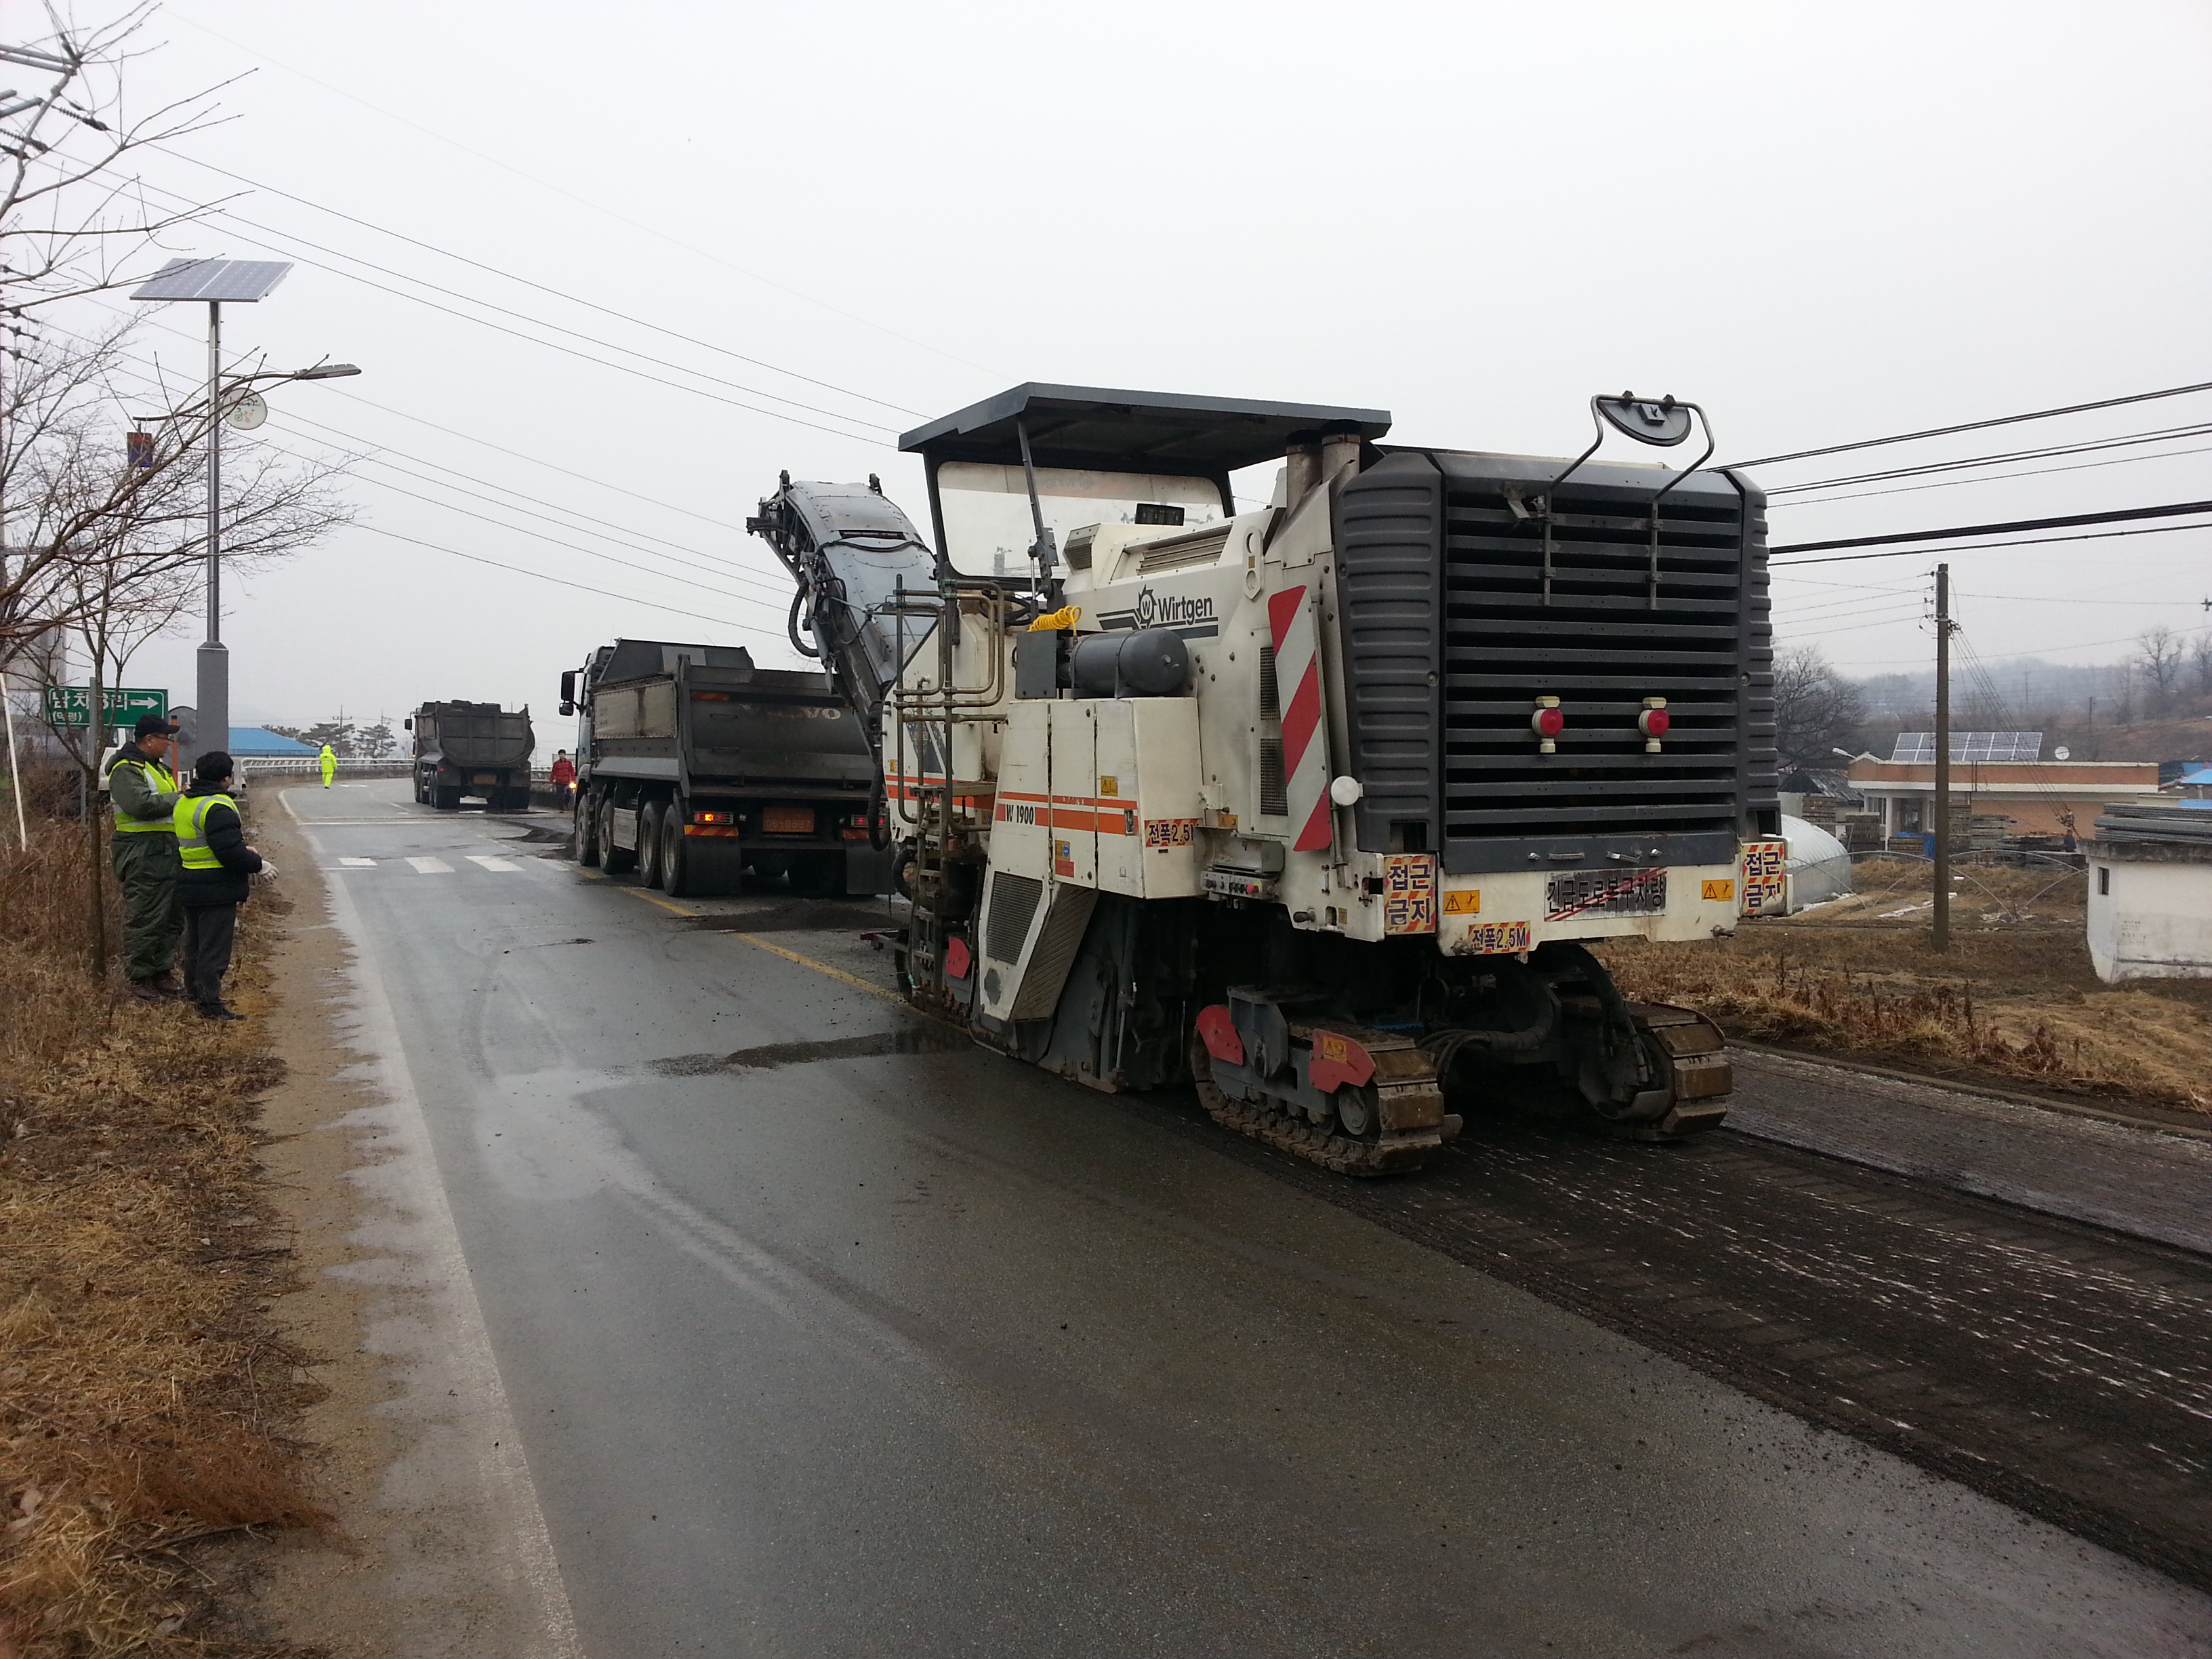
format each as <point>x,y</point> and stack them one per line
<point>227,281</point>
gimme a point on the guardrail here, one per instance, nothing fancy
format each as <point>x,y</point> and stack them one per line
<point>310,766</point>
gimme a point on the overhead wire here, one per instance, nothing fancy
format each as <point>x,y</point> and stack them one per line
<point>1984,547</point>
<point>545,576</point>
<point>1976,425</point>
<point>527,281</point>
<point>584,201</point>
<point>567,351</point>
<point>770,587</point>
<point>2195,429</point>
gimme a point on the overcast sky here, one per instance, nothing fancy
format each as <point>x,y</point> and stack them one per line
<point>1825,224</point>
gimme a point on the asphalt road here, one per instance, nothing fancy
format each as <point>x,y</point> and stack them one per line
<point>829,1336</point>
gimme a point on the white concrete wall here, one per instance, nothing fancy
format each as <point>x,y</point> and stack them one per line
<point>2154,922</point>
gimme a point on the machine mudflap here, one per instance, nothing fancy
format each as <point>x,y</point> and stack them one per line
<point>1702,1075</point>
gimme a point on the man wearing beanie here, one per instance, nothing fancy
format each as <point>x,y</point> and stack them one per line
<point>211,846</point>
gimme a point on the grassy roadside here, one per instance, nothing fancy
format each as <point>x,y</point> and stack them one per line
<point>145,1393</point>
<point>2013,1001</point>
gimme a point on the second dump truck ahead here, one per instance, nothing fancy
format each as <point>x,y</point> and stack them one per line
<point>472,748</point>
<point>693,767</point>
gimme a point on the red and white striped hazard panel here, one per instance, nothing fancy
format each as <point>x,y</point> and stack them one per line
<point>1305,747</point>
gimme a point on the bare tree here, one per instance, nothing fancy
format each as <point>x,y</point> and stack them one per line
<point>2159,652</point>
<point>70,216</point>
<point>93,516</point>
<point>1816,710</point>
<point>2200,661</point>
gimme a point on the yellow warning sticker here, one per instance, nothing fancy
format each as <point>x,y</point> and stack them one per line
<point>1468,902</point>
<point>1722,891</point>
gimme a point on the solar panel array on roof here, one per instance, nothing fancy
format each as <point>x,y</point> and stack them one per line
<point>1918,748</point>
<point>239,282</point>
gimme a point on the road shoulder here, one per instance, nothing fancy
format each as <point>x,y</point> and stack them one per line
<point>438,1547</point>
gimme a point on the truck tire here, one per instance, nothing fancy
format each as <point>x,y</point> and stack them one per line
<point>584,833</point>
<point>445,800</point>
<point>614,860</point>
<point>677,877</point>
<point>649,816</point>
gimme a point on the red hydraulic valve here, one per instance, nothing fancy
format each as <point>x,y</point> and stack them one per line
<point>1547,722</point>
<point>1654,722</point>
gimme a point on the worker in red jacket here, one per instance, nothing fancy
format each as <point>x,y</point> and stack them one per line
<point>564,776</point>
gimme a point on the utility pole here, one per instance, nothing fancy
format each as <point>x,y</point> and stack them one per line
<point>1940,939</point>
<point>214,657</point>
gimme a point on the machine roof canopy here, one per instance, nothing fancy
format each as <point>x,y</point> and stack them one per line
<point>1100,430</point>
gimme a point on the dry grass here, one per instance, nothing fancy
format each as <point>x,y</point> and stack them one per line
<point>143,1391</point>
<point>2013,999</point>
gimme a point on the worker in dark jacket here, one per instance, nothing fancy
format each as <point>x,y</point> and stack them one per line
<point>211,846</point>
<point>144,850</point>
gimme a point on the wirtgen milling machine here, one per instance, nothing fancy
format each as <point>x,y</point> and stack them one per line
<point>1320,803</point>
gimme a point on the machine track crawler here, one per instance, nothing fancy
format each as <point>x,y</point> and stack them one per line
<point>1316,805</point>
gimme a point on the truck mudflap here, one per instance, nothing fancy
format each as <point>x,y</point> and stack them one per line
<point>1347,1097</point>
<point>1700,1075</point>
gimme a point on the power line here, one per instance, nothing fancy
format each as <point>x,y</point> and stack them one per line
<point>778,591</point>
<point>1976,425</point>
<point>2195,429</point>
<point>572,298</point>
<point>555,345</point>
<point>1985,547</point>
<point>636,224</point>
<point>563,581</point>
<point>2169,510</point>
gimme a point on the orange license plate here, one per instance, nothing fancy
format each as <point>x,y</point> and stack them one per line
<point>787,820</point>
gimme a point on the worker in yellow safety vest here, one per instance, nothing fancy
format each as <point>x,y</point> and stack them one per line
<point>211,847</point>
<point>330,759</point>
<point>143,851</point>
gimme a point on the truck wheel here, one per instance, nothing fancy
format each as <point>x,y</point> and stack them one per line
<point>446,800</point>
<point>677,878</point>
<point>583,834</point>
<point>614,860</point>
<point>649,844</point>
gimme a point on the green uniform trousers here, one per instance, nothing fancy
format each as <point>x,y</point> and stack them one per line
<point>146,868</point>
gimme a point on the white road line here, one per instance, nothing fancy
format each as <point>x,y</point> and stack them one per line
<point>358,864</point>
<point>431,867</point>
<point>492,863</point>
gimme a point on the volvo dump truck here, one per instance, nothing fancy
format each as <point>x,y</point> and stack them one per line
<point>474,750</point>
<point>694,767</point>
<point>1319,804</point>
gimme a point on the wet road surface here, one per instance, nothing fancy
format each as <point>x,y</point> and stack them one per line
<point>827,1336</point>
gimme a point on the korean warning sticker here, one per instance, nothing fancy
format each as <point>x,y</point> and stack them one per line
<point>1765,878</point>
<point>1496,938</point>
<point>1409,893</point>
<point>1163,833</point>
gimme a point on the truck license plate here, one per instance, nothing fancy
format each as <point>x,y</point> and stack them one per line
<point>787,820</point>
<point>485,777</point>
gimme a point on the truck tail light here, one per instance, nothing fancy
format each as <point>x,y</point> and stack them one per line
<point>713,817</point>
<point>1547,722</point>
<point>1653,723</point>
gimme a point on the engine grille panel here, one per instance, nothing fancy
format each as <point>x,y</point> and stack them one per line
<point>1594,619</point>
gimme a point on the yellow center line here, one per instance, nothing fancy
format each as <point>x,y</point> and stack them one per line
<point>654,898</point>
<point>852,980</point>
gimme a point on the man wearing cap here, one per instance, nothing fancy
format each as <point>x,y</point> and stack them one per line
<point>144,852</point>
<point>211,846</point>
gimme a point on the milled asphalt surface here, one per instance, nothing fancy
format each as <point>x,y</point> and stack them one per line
<point>827,1336</point>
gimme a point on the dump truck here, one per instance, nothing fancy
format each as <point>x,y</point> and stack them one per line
<point>465,749</point>
<point>695,768</point>
<point>1318,804</point>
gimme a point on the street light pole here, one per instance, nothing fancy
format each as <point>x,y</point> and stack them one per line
<point>212,692</point>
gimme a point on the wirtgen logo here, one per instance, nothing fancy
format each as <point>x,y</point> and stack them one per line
<point>1171,610</point>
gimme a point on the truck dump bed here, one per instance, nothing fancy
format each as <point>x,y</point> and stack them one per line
<point>474,733</point>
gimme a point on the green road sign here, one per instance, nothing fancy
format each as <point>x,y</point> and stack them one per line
<point>71,705</point>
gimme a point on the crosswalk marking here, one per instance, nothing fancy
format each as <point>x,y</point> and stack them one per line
<point>493,863</point>
<point>358,864</point>
<point>432,867</point>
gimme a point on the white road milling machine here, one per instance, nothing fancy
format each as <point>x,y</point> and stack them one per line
<point>1319,804</point>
